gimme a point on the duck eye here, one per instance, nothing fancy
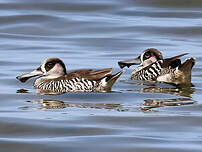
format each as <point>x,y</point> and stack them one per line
<point>147,55</point>
<point>49,66</point>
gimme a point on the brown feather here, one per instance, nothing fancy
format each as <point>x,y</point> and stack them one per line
<point>167,62</point>
<point>88,74</point>
<point>187,65</point>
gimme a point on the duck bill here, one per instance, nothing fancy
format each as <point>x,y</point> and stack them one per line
<point>129,62</point>
<point>25,77</point>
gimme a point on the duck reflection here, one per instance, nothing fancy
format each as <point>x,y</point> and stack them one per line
<point>151,104</point>
<point>48,92</point>
<point>41,91</point>
<point>22,91</point>
<point>183,94</point>
<point>186,92</point>
<point>50,104</point>
<point>56,104</point>
<point>154,87</point>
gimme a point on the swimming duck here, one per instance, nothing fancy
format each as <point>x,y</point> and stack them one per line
<point>152,67</point>
<point>54,78</point>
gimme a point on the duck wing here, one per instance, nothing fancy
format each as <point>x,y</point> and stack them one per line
<point>173,61</point>
<point>89,74</point>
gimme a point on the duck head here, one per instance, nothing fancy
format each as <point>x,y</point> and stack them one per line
<point>50,68</point>
<point>148,57</point>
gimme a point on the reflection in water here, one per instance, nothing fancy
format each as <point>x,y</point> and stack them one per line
<point>186,92</point>
<point>155,87</point>
<point>150,104</point>
<point>56,104</point>
<point>48,92</point>
<point>51,104</point>
<point>22,91</point>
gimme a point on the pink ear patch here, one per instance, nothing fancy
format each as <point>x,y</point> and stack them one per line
<point>153,56</point>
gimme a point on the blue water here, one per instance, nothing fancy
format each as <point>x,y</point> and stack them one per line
<point>135,116</point>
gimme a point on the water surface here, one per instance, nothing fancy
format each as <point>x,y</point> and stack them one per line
<point>135,116</point>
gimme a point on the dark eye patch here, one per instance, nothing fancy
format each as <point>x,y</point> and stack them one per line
<point>146,56</point>
<point>49,65</point>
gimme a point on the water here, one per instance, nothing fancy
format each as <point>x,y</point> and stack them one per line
<point>136,116</point>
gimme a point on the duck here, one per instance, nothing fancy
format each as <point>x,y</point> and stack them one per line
<point>54,78</point>
<point>153,67</point>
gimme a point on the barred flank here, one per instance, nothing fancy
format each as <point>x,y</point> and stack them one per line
<point>75,84</point>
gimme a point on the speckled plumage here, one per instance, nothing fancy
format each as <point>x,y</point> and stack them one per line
<point>154,68</point>
<point>150,73</point>
<point>71,82</point>
<point>54,78</point>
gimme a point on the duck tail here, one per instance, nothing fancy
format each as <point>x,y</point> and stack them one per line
<point>109,80</point>
<point>185,72</point>
<point>187,66</point>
